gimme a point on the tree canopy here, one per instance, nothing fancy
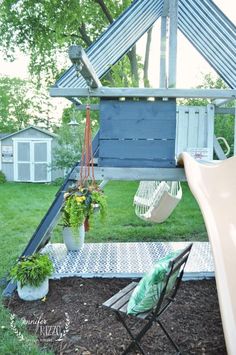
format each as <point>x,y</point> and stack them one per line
<point>21,105</point>
<point>44,30</point>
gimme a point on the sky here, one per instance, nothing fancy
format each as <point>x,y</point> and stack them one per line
<point>190,64</point>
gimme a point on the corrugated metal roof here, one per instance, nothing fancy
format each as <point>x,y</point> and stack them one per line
<point>119,37</point>
<point>201,21</point>
<point>212,34</point>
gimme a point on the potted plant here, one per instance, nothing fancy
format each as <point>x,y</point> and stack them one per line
<point>32,276</point>
<point>80,204</point>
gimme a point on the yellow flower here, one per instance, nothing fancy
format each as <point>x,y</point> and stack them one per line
<point>80,199</point>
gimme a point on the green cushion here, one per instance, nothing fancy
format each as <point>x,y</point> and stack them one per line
<point>147,293</point>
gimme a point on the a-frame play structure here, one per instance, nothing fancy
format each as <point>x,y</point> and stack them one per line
<point>141,127</point>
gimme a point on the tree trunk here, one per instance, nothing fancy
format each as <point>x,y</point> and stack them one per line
<point>146,60</point>
<point>134,66</point>
<point>105,10</point>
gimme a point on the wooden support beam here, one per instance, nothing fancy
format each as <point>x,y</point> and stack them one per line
<point>83,66</point>
<point>163,77</point>
<point>225,110</point>
<point>169,174</point>
<point>210,128</point>
<point>143,92</point>
<point>165,9</point>
<point>173,13</point>
<point>222,101</point>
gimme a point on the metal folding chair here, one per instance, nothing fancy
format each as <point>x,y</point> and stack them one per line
<point>118,303</point>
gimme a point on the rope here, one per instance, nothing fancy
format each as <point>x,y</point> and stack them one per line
<point>86,163</point>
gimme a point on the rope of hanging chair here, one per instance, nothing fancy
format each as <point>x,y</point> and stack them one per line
<point>86,163</point>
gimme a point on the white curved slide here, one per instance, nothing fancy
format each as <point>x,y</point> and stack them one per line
<point>214,187</point>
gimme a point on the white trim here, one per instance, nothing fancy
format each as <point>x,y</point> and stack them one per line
<point>32,127</point>
<point>32,139</point>
<point>49,161</point>
<point>15,150</point>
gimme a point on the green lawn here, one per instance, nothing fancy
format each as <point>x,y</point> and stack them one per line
<point>22,206</point>
<point>186,222</point>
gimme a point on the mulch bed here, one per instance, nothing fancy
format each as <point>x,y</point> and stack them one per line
<point>72,314</point>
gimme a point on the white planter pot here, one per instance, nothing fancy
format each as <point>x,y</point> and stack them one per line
<point>74,242</point>
<point>31,293</point>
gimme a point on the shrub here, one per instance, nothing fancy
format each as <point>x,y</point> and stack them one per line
<point>32,270</point>
<point>2,177</point>
<point>58,181</point>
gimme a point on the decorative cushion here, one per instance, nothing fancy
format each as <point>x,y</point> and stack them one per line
<point>147,293</point>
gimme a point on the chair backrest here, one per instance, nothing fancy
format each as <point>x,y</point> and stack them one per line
<point>172,280</point>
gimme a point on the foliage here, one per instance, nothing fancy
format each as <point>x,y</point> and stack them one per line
<point>2,177</point>
<point>15,104</point>
<point>209,82</point>
<point>21,105</point>
<point>58,181</point>
<point>81,203</point>
<point>67,150</point>
<point>44,30</point>
<point>32,270</point>
<point>70,138</point>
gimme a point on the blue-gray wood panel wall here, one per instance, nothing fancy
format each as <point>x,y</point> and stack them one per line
<point>137,133</point>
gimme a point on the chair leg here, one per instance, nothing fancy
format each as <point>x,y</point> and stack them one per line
<point>135,339</point>
<point>169,337</point>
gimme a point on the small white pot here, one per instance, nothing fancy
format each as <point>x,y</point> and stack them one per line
<point>74,242</point>
<point>31,293</point>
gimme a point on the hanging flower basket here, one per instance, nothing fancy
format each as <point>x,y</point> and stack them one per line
<point>80,205</point>
<point>85,199</point>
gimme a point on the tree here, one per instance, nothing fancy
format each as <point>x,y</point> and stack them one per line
<point>68,149</point>
<point>70,139</point>
<point>22,105</point>
<point>45,29</point>
<point>69,146</point>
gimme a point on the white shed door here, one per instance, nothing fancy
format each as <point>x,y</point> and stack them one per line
<point>32,160</point>
<point>23,161</point>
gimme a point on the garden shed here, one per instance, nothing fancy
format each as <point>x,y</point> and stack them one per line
<point>27,155</point>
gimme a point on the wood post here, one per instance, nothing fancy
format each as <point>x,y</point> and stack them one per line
<point>163,78</point>
<point>173,13</point>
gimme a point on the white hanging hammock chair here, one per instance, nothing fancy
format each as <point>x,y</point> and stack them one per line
<point>155,200</point>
